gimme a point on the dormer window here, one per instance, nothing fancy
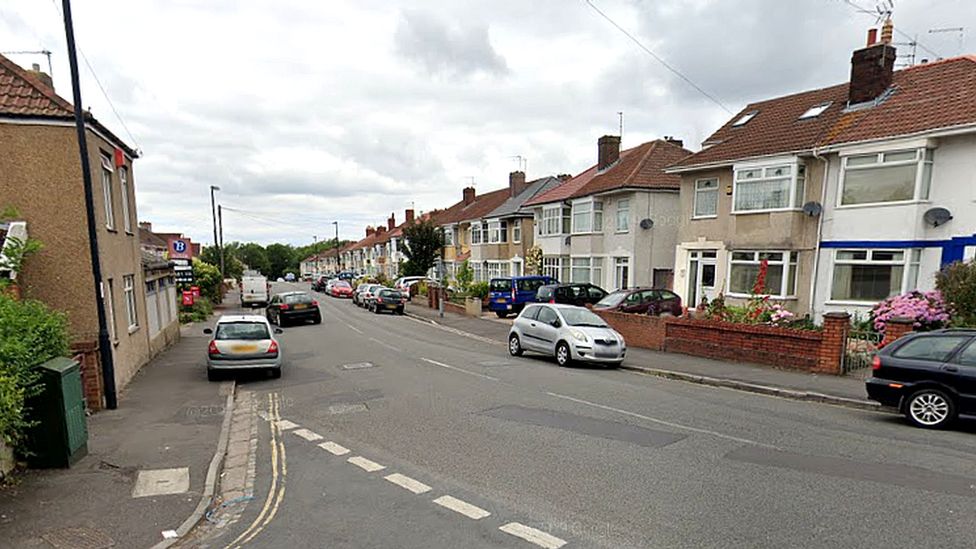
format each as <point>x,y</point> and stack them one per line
<point>744,119</point>
<point>815,110</point>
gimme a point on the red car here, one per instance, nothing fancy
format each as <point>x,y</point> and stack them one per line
<point>647,301</point>
<point>341,289</point>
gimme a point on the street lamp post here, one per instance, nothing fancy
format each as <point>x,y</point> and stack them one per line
<point>336,223</point>
<point>315,250</point>
<point>213,208</point>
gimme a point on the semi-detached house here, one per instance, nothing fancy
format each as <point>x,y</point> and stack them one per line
<point>615,224</point>
<point>463,230</point>
<point>850,193</point>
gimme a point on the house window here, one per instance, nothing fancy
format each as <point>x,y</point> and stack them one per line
<point>497,231</point>
<point>768,188</point>
<point>497,269</point>
<point>124,184</point>
<point>623,215</point>
<point>588,217</point>
<point>894,176</point>
<point>621,275</point>
<point>587,269</point>
<point>873,275</point>
<point>129,290</point>
<point>477,233</point>
<point>517,231</point>
<point>706,198</point>
<point>815,110</point>
<point>556,266</point>
<point>781,267</point>
<point>449,236</point>
<point>745,118</point>
<point>110,310</point>
<point>107,192</point>
<point>555,220</point>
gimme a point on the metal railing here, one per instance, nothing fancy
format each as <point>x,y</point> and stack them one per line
<point>860,349</point>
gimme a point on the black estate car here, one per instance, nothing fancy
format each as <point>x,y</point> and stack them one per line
<point>290,307</point>
<point>578,294</point>
<point>929,376</point>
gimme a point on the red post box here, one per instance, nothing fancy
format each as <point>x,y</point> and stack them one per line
<point>187,298</point>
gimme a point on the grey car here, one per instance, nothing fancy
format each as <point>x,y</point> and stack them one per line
<point>243,342</point>
<point>568,333</point>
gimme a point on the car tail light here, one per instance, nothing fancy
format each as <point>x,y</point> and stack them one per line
<point>553,300</point>
<point>315,303</point>
<point>273,348</point>
<point>212,350</point>
<point>379,300</point>
<point>284,307</point>
<point>876,363</point>
<point>513,295</point>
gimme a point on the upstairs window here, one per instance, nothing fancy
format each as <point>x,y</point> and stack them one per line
<point>555,220</point>
<point>497,232</point>
<point>588,217</point>
<point>706,198</point>
<point>894,176</point>
<point>768,188</point>
<point>124,188</point>
<point>623,216</point>
<point>107,191</point>
<point>475,233</point>
<point>517,232</point>
<point>449,236</point>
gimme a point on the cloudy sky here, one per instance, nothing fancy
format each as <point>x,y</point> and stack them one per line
<point>308,112</point>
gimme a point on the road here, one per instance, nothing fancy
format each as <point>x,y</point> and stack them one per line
<point>487,450</point>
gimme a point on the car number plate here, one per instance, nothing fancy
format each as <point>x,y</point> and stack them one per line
<point>244,348</point>
<point>300,306</point>
<point>499,301</point>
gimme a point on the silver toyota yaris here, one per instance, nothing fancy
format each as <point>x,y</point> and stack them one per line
<point>568,333</point>
<point>242,342</point>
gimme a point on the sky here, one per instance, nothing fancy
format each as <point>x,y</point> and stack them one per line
<point>305,113</point>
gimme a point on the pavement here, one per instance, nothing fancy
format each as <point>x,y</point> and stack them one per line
<point>391,431</point>
<point>840,390</point>
<point>146,468</point>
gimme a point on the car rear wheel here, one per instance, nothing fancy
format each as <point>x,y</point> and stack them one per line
<point>563,356</point>
<point>514,345</point>
<point>501,314</point>
<point>213,375</point>
<point>930,408</point>
<point>317,319</point>
<point>376,309</point>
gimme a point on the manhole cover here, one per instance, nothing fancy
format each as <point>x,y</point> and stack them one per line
<point>336,409</point>
<point>78,538</point>
<point>357,365</point>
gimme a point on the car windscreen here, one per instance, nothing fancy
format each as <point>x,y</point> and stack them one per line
<point>545,292</point>
<point>297,298</point>
<point>241,330</point>
<point>500,284</point>
<point>612,300</point>
<point>342,284</point>
<point>582,317</point>
<point>530,284</point>
<point>392,294</point>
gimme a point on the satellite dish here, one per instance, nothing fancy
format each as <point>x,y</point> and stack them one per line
<point>646,223</point>
<point>812,209</point>
<point>937,216</point>
<point>568,240</point>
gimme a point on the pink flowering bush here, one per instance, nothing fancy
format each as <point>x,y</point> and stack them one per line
<point>927,309</point>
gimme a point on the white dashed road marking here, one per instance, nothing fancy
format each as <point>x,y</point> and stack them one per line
<point>334,448</point>
<point>308,435</point>
<point>456,369</point>
<point>365,464</point>
<point>408,483</point>
<point>532,535</point>
<point>462,507</point>
<point>285,425</point>
<point>384,344</point>
<point>355,329</point>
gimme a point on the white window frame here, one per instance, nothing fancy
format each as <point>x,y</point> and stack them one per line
<point>924,161</point>
<point>110,309</point>
<point>620,263</point>
<point>449,235</point>
<point>516,231</point>
<point>497,232</point>
<point>107,170</point>
<point>698,191</point>
<point>497,269</point>
<point>797,183</point>
<point>789,261</point>
<point>594,268</point>
<point>910,264</point>
<point>591,210</point>
<point>477,234</point>
<point>623,214</point>
<point>124,189</point>
<point>557,267</point>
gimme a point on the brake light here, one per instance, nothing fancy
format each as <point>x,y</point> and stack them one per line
<point>213,350</point>
<point>284,307</point>
<point>273,348</point>
<point>379,300</point>
<point>552,300</point>
<point>876,363</point>
<point>513,295</point>
<point>315,303</point>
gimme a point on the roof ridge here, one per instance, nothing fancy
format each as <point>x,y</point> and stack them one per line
<point>640,163</point>
<point>36,84</point>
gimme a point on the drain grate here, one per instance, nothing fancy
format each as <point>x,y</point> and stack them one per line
<point>357,366</point>
<point>78,538</point>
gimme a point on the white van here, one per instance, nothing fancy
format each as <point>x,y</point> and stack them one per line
<point>254,291</point>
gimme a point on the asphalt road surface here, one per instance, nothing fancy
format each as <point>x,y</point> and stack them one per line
<point>397,433</point>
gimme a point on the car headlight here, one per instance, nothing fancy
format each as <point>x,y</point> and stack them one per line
<point>578,335</point>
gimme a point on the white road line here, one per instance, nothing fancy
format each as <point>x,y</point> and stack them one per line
<point>365,464</point>
<point>334,448</point>
<point>385,344</point>
<point>663,422</point>
<point>532,535</point>
<point>462,507</point>
<point>307,435</point>
<point>408,483</point>
<point>355,329</point>
<point>455,368</point>
<point>455,331</point>
<point>285,425</point>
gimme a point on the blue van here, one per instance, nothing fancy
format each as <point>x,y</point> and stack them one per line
<point>510,294</point>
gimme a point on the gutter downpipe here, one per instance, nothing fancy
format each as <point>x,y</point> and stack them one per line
<point>816,254</point>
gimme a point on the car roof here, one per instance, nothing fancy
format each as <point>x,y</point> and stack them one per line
<point>556,305</point>
<point>241,318</point>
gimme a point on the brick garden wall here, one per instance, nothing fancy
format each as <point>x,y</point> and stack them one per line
<point>86,353</point>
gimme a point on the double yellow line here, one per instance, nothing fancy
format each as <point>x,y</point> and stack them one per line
<point>279,470</point>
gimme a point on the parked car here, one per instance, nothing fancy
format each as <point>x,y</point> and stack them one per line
<point>255,291</point>
<point>578,293</point>
<point>289,307</point>
<point>346,275</point>
<point>243,342</point>
<point>387,299</point>
<point>369,294</point>
<point>340,288</point>
<point>289,277</point>
<point>357,293</point>
<point>930,377</point>
<point>319,284</point>
<point>510,294</point>
<point>649,301</point>
<point>568,333</point>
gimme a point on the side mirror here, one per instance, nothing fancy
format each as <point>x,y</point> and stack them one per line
<point>556,323</point>
<point>207,331</point>
<point>279,331</point>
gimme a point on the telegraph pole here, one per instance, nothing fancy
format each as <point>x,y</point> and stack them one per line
<point>220,224</point>
<point>104,341</point>
<point>213,211</point>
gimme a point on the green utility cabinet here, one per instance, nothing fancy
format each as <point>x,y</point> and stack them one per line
<point>59,437</point>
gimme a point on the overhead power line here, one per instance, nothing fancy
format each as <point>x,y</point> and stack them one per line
<point>659,59</point>
<point>912,39</point>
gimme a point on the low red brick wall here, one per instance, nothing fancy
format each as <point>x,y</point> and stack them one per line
<point>643,331</point>
<point>86,353</point>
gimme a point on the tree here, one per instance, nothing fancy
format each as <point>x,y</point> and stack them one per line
<point>255,257</point>
<point>422,245</point>
<point>957,283</point>
<point>207,278</point>
<point>281,258</point>
<point>465,276</point>
<point>232,263</point>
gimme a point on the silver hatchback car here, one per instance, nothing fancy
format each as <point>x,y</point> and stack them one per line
<point>243,342</point>
<point>568,333</point>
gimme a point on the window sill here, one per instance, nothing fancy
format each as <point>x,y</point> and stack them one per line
<point>774,210</point>
<point>776,297</point>
<point>697,217</point>
<point>850,303</point>
<point>129,232</point>
<point>882,204</point>
<point>111,229</point>
<point>622,232</point>
<point>133,329</point>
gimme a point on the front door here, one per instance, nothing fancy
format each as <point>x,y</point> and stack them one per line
<point>701,276</point>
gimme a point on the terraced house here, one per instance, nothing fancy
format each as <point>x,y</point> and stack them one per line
<point>615,224</point>
<point>463,229</point>
<point>850,193</point>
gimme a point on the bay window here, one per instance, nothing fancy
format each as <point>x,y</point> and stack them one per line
<point>873,275</point>
<point>497,231</point>
<point>555,220</point>
<point>449,236</point>
<point>894,176</point>
<point>588,217</point>
<point>781,266</point>
<point>706,198</point>
<point>623,215</point>
<point>517,231</point>
<point>556,266</point>
<point>587,269</point>
<point>479,233</point>
<point>767,188</point>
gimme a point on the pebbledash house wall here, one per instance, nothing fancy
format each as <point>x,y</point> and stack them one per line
<point>41,177</point>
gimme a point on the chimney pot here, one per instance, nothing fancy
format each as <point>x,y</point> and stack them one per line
<point>370,231</point>
<point>674,140</point>
<point>516,183</point>
<point>36,67</point>
<point>145,225</point>
<point>468,195</point>
<point>608,151</point>
<point>872,36</point>
<point>391,222</point>
<point>408,215</point>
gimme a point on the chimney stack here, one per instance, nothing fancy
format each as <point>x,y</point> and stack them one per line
<point>608,151</point>
<point>468,195</point>
<point>370,231</point>
<point>564,177</point>
<point>380,229</point>
<point>872,68</point>
<point>391,222</point>
<point>44,78</point>
<point>674,140</point>
<point>145,225</point>
<point>408,216</point>
<point>516,183</point>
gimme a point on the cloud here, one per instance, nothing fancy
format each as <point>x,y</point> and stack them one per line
<point>443,49</point>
